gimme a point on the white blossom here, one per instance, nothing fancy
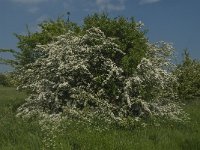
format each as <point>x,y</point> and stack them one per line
<point>76,73</point>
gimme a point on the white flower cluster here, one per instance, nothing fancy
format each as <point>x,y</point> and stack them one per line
<point>50,127</point>
<point>78,77</point>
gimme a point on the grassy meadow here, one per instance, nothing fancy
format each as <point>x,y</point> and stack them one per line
<point>16,134</point>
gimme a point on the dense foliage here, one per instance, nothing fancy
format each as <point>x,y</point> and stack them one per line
<point>188,74</point>
<point>78,76</point>
<point>3,80</point>
<point>7,79</point>
<point>48,31</point>
<point>129,35</point>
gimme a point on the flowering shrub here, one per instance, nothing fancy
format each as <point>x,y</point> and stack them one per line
<point>79,77</point>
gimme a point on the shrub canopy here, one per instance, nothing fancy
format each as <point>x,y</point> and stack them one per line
<point>78,76</point>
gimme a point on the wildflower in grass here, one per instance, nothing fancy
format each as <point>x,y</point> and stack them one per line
<point>50,127</point>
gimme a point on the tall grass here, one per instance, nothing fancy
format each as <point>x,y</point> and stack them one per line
<point>16,134</point>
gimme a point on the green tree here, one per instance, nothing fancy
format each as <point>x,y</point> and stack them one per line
<point>188,75</point>
<point>6,79</point>
<point>3,80</point>
<point>49,30</point>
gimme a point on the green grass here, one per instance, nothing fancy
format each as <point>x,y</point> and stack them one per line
<point>16,134</point>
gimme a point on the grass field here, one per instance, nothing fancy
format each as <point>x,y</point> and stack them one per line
<point>16,134</point>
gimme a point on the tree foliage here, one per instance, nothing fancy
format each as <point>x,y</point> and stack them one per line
<point>188,74</point>
<point>130,37</point>
<point>6,79</point>
<point>8,61</point>
<point>3,80</point>
<point>48,31</point>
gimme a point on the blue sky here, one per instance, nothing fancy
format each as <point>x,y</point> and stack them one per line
<point>174,21</point>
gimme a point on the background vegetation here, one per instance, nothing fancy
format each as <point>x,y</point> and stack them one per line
<point>188,74</point>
